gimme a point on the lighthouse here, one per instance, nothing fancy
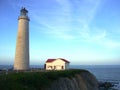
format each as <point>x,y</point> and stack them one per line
<point>22,45</point>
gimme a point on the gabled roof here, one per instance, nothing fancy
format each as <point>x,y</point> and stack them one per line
<point>64,60</point>
<point>52,60</point>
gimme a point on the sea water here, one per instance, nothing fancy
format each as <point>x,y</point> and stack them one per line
<point>102,72</point>
<point>105,73</point>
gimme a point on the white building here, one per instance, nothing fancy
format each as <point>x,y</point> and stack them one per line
<point>57,64</point>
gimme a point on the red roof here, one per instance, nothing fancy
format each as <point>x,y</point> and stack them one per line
<point>51,60</point>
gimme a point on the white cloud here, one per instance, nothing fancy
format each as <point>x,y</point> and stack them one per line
<point>92,34</point>
<point>101,38</point>
<point>62,35</point>
<point>65,6</point>
<point>61,26</point>
<point>111,44</point>
<point>88,10</point>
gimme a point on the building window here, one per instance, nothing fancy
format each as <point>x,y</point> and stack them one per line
<point>50,67</point>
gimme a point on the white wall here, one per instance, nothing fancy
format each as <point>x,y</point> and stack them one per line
<point>58,64</point>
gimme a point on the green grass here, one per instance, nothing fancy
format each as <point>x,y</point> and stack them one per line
<point>33,80</point>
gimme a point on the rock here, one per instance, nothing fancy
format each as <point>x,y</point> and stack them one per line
<point>82,81</point>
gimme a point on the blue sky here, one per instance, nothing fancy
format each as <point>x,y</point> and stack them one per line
<point>85,32</point>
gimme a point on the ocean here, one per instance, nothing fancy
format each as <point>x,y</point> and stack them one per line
<point>104,73</point>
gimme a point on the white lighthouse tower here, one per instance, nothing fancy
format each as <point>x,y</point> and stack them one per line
<point>22,46</point>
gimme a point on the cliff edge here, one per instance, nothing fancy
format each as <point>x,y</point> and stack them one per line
<point>76,79</point>
<point>80,81</point>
